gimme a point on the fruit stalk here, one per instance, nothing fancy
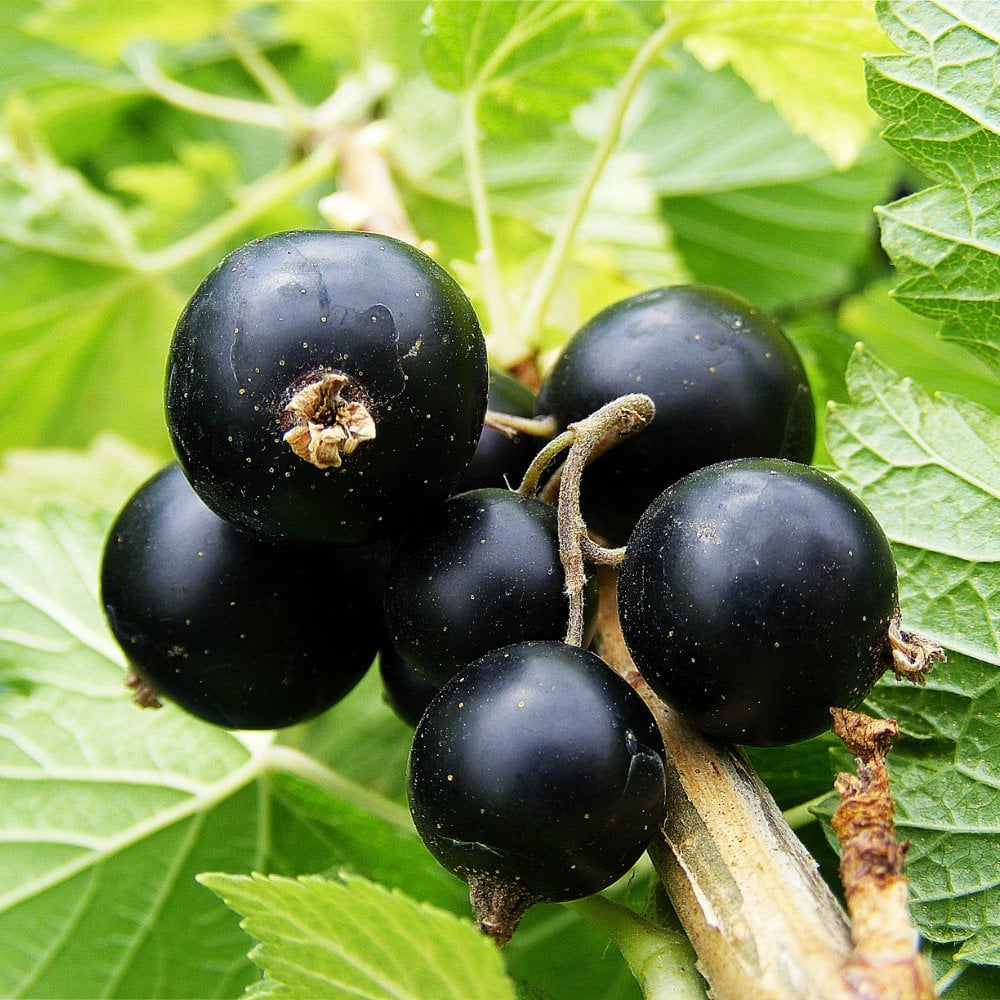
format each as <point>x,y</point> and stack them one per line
<point>762,920</point>
<point>610,424</point>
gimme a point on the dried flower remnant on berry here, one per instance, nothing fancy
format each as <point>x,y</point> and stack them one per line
<point>325,425</point>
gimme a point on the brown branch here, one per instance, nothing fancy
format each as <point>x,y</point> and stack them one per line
<point>885,962</point>
<point>763,922</point>
<point>367,199</point>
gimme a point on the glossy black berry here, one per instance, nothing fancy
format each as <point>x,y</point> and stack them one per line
<point>239,631</point>
<point>326,386</point>
<point>536,774</point>
<point>406,691</point>
<point>501,460</point>
<point>755,595</point>
<point>725,381</point>
<point>483,571</point>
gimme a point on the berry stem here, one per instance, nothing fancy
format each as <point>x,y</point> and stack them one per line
<point>659,956</point>
<point>511,425</point>
<point>533,474</point>
<point>533,314</point>
<point>607,426</point>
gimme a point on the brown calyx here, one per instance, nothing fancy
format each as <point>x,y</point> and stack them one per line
<point>143,693</point>
<point>498,906</point>
<point>912,656</point>
<point>324,425</point>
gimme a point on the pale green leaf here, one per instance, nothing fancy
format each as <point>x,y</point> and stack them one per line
<point>940,104</point>
<point>84,349</point>
<point>104,805</point>
<point>351,937</point>
<point>804,56</point>
<point>946,243</point>
<point>622,245</point>
<point>36,64</point>
<point>109,812</point>
<point>103,28</point>
<point>52,208</point>
<point>909,344</point>
<point>526,65</point>
<point>98,479</point>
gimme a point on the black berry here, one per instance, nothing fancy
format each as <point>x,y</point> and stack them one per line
<point>326,386</point>
<point>482,572</point>
<point>755,595</point>
<point>536,774</point>
<point>725,381</point>
<point>239,631</point>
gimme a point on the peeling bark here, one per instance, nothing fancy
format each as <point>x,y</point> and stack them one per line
<point>885,962</point>
<point>762,920</point>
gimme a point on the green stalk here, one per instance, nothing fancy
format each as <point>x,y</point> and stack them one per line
<point>802,815</point>
<point>292,761</point>
<point>499,318</point>
<point>533,315</point>
<point>257,200</point>
<point>661,959</point>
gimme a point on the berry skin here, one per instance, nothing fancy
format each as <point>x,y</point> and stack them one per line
<point>536,773</point>
<point>483,571</point>
<point>404,690</point>
<point>754,596</point>
<point>500,460</point>
<point>239,631</point>
<point>725,381</point>
<point>325,386</point>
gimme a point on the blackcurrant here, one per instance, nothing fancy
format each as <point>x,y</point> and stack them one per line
<point>326,386</point>
<point>405,691</point>
<point>536,773</point>
<point>501,460</point>
<point>239,631</point>
<point>725,381</point>
<point>754,596</point>
<point>481,572</point>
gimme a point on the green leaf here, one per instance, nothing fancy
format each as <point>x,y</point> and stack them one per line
<point>958,980</point>
<point>946,785</point>
<point>939,104</point>
<point>351,937</point>
<point>97,480</point>
<point>909,344</point>
<point>928,468</point>
<point>528,64</point>
<point>103,28</point>
<point>804,56</point>
<point>756,208</point>
<point>109,812</point>
<point>371,846</point>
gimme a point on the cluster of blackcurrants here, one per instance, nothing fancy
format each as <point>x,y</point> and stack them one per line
<point>335,495</point>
